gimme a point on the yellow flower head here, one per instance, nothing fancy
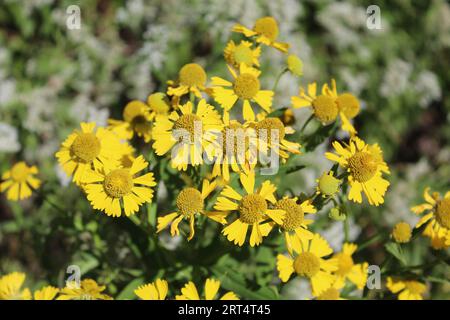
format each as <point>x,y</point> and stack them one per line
<point>19,181</point>
<point>46,293</point>
<point>136,120</point>
<point>241,53</point>
<point>190,202</point>
<point>244,86</point>
<point>401,232</point>
<point>11,287</point>
<point>189,291</point>
<point>309,262</point>
<point>252,208</point>
<point>87,290</point>
<point>266,32</point>
<point>111,189</point>
<point>365,165</point>
<point>347,269</point>
<point>407,289</point>
<point>153,291</point>
<point>89,149</point>
<point>327,184</point>
<point>158,104</point>
<point>189,133</point>
<point>191,78</point>
<point>295,65</point>
<point>436,217</point>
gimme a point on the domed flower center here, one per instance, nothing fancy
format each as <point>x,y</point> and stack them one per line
<point>348,104</point>
<point>20,172</point>
<point>267,26</point>
<point>294,214</point>
<point>134,110</point>
<point>243,54</point>
<point>415,287</point>
<point>246,86</point>
<point>325,109</point>
<point>86,147</point>
<point>189,201</point>
<point>234,135</point>
<point>252,208</point>
<point>363,166</point>
<point>401,232</point>
<point>157,102</point>
<point>443,213</point>
<point>328,184</point>
<point>118,183</point>
<point>307,264</point>
<point>189,122</point>
<point>192,74</point>
<point>329,294</point>
<point>269,127</point>
<point>345,264</point>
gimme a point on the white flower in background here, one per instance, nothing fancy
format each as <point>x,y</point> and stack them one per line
<point>9,138</point>
<point>7,91</point>
<point>297,289</point>
<point>427,86</point>
<point>354,82</point>
<point>335,234</point>
<point>41,106</point>
<point>396,78</point>
<point>63,178</point>
<point>83,109</point>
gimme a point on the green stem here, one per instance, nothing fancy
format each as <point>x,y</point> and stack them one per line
<point>275,85</point>
<point>306,123</point>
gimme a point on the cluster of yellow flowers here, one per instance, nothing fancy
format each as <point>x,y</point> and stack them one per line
<point>184,125</point>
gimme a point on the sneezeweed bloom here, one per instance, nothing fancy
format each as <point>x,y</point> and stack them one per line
<point>437,215</point>
<point>11,287</point>
<point>294,65</point>
<point>365,166</point>
<point>46,293</point>
<point>401,232</point>
<point>118,190</point>
<point>87,290</point>
<point>328,185</point>
<point>235,54</point>
<point>19,182</point>
<point>332,293</point>
<point>347,269</point>
<point>266,32</point>
<point>406,289</point>
<point>188,134</point>
<point>190,202</point>
<point>245,86</point>
<point>190,292</point>
<point>252,208</point>
<point>191,78</point>
<point>156,290</point>
<point>158,105</point>
<point>310,263</point>
<point>88,149</point>
<point>136,121</point>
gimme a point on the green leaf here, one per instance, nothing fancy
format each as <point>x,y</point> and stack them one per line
<point>396,250</point>
<point>128,292</point>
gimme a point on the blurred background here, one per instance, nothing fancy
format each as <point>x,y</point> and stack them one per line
<point>51,78</point>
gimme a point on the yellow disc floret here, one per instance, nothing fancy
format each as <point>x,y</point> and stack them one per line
<point>307,264</point>
<point>328,184</point>
<point>243,54</point>
<point>348,104</point>
<point>345,264</point>
<point>20,172</point>
<point>363,166</point>
<point>325,109</point>
<point>189,202</point>
<point>267,27</point>
<point>118,183</point>
<point>188,122</point>
<point>246,86</point>
<point>401,232</point>
<point>252,208</point>
<point>272,126</point>
<point>294,214</point>
<point>157,102</point>
<point>86,147</point>
<point>443,213</point>
<point>329,294</point>
<point>192,74</point>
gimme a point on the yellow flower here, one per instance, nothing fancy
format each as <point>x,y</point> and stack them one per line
<point>89,149</point>
<point>436,217</point>
<point>332,293</point>
<point>153,291</point>
<point>46,293</point>
<point>401,232</point>
<point>365,165</point>
<point>11,287</point>
<point>310,264</point>
<point>136,120</point>
<point>295,65</point>
<point>191,78</point>
<point>190,202</point>
<point>189,133</point>
<point>266,32</point>
<point>347,269</point>
<point>407,289</point>
<point>158,105</point>
<point>189,291</point>
<point>295,226</point>
<point>111,189</point>
<point>252,208</point>
<point>87,290</point>
<point>241,53</point>
<point>19,181</point>
<point>327,184</point>
<point>246,87</point>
